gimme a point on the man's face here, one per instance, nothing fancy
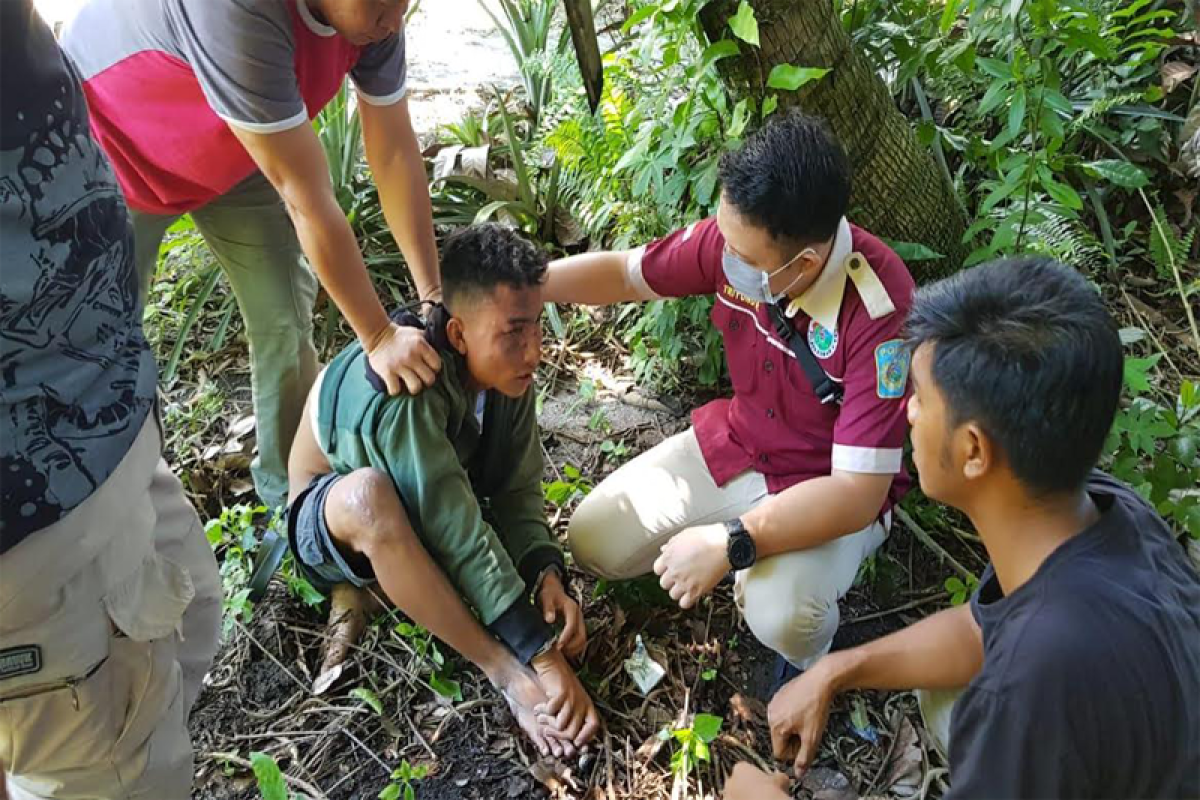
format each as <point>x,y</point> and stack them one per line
<point>501,337</point>
<point>929,417</point>
<point>364,22</point>
<point>758,249</point>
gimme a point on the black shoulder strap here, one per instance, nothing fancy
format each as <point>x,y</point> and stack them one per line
<point>826,389</point>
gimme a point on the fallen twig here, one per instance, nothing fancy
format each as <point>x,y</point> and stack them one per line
<point>929,542</point>
<point>889,611</point>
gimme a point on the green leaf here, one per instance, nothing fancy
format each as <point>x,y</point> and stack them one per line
<point>390,792</point>
<point>741,115</point>
<point>446,687</point>
<point>1136,370</point>
<point>769,105</point>
<point>367,696</point>
<point>1016,113</point>
<point>913,251</point>
<point>718,50</point>
<point>708,675</point>
<point>1118,172</point>
<point>949,14</point>
<point>214,531</point>
<point>305,591</point>
<point>707,726</point>
<point>858,715</point>
<point>638,16</point>
<point>269,777</point>
<point>790,78</point>
<point>1063,194</point>
<point>995,67</point>
<point>993,97</point>
<point>744,25</point>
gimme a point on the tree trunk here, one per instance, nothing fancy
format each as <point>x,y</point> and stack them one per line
<point>899,192</point>
<point>587,48</point>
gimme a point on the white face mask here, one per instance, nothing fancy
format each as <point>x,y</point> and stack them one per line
<point>754,283</point>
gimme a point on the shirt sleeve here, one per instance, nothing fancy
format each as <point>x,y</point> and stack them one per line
<point>517,504</point>
<point>381,74</point>
<point>688,262</point>
<point>872,422</point>
<point>410,443</point>
<point>243,56</point>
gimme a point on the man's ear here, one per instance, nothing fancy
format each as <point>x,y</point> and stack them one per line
<point>455,334</point>
<point>979,452</point>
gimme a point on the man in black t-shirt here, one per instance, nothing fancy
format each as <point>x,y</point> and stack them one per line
<point>1080,650</point>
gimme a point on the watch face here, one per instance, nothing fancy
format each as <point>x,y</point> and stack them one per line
<point>741,552</point>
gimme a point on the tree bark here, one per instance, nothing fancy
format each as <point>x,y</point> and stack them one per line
<point>899,192</point>
<point>587,48</point>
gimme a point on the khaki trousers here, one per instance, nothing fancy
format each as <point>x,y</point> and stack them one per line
<point>937,706</point>
<point>789,601</point>
<point>122,600</point>
<point>252,236</point>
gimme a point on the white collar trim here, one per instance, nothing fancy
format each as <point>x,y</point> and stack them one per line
<point>310,21</point>
<point>823,300</point>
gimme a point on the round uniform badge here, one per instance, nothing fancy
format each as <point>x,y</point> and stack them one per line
<point>821,340</point>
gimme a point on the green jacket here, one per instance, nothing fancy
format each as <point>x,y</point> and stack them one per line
<point>475,500</point>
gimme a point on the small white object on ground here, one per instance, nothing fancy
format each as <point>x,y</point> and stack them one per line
<point>645,671</point>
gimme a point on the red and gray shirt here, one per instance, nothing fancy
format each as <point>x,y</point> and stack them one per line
<point>165,79</point>
<point>851,319</point>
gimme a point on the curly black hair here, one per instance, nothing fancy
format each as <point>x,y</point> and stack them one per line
<point>481,257</point>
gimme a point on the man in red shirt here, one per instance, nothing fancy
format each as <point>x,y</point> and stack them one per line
<point>790,482</point>
<point>204,107</point>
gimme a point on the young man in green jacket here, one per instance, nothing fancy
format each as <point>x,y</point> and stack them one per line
<point>438,496</point>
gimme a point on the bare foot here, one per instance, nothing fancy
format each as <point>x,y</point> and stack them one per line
<point>521,691</point>
<point>349,610</point>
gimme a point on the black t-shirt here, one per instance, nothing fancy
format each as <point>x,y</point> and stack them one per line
<point>1090,685</point>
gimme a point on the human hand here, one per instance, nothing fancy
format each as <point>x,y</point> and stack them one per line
<point>750,783</point>
<point>556,604</point>
<point>569,716</point>
<point>693,562</point>
<point>403,359</point>
<point>798,714</point>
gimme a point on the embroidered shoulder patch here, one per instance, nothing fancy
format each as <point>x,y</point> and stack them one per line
<point>17,661</point>
<point>891,369</point>
<point>821,340</point>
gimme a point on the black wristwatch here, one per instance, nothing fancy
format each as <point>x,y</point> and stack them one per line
<point>740,550</point>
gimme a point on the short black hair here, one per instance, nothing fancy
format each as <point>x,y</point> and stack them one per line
<point>791,178</point>
<point>1024,348</point>
<point>477,259</point>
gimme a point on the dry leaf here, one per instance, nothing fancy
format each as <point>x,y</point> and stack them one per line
<point>747,711</point>
<point>904,774</point>
<point>1174,73</point>
<point>242,426</point>
<point>828,784</point>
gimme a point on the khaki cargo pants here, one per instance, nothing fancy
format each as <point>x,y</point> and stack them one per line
<point>254,241</point>
<point>114,612</point>
<point>789,601</point>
